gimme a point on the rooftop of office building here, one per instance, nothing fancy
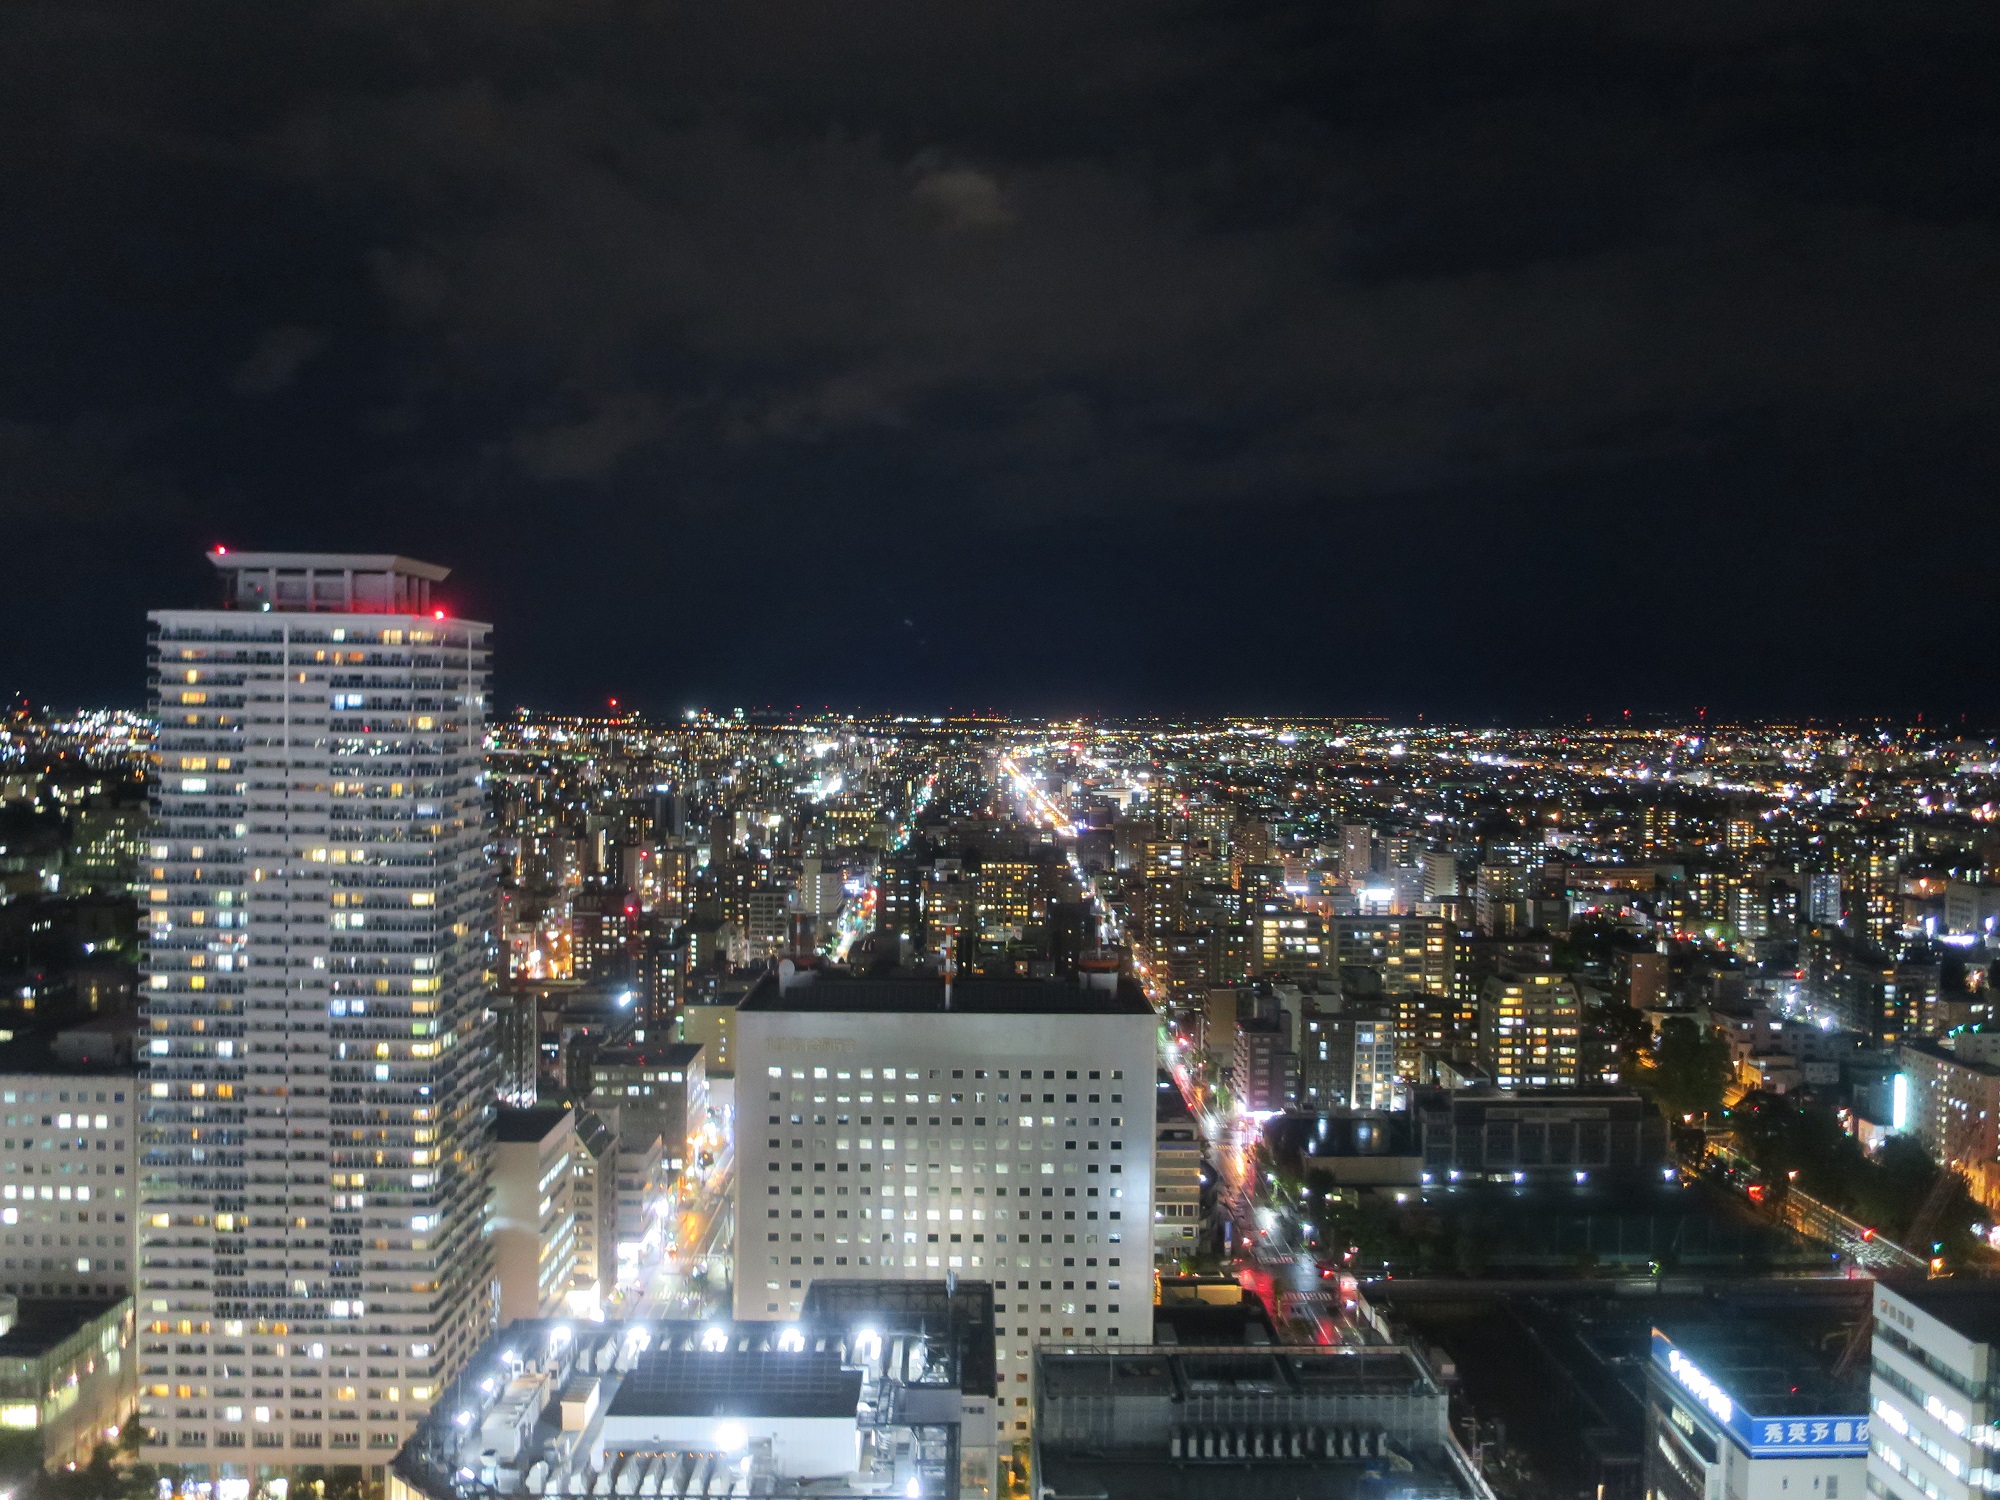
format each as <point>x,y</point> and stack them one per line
<point>1191,1315</point>
<point>227,560</point>
<point>99,1047</point>
<point>1969,1308</point>
<point>650,1055</point>
<point>519,1126</point>
<point>861,1396</point>
<point>1767,1367</point>
<point>32,1326</point>
<point>820,991</point>
<point>1288,1423</point>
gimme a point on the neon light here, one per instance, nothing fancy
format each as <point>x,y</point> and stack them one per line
<point>1706,1391</point>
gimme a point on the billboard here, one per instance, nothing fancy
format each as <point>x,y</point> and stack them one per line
<point>1838,1435</point>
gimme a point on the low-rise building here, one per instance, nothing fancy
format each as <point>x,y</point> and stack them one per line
<point>1527,1135</point>
<point>594,1195</point>
<point>1250,1423</point>
<point>1176,1174</point>
<point>535,1249</point>
<point>640,1202</point>
<point>876,1389</point>
<point>67,1372</point>
<point>1358,1150</point>
<point>1741,1410</point>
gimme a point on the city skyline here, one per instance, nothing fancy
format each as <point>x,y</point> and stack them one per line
<point>999,751</point>
<point>444,1104</point>
<point>949,666</point>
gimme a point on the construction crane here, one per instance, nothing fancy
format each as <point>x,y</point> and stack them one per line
<point>1944,1188</point>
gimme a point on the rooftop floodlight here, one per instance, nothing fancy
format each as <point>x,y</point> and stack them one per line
<point>731,1437</point>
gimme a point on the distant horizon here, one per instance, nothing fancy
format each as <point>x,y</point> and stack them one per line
<point>1648,721</point>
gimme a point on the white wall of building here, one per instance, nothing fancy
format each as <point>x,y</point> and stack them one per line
<point>69,1184</point>
<point>1010,1148</point>
<point>1933,1432</point>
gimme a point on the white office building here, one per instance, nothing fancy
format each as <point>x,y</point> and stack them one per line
<point>69,1184</point>
<point>316,1074</point>
<point>992,1130</point>
<point>1934,1392</point>
<point>1738,1408</point>
<point>533,1224</point>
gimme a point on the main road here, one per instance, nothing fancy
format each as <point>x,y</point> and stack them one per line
<point>692,1278</point>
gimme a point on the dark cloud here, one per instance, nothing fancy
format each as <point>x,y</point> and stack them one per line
<point>276,361</point>
<point>1387,353</point>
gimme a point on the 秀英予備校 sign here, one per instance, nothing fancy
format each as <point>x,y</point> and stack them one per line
<point>1834,1435</point>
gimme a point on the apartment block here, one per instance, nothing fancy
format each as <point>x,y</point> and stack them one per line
<point>1529,1025</point>
<point>318,1089</point>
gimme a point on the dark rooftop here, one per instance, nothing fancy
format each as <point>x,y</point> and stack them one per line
<point>1068,1476</point>
<point>1971,1309</point>
<point>41,1323</point>
<point>678,1382</point>
<point>87,1050</point>
<point>958,1311</point>
<point>925,994</point>
<point>524,1125</point>
<point>651,1054</point>
<point>1280,1371</point>
<point>1191,1324</point>
<point>1766,1368</point>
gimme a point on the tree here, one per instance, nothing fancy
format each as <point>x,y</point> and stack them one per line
<point>20,1460</point>
<point>335,1482</point>
<point>103,1478</point>
<point>1690,1068</point>
<point>1595,942</point>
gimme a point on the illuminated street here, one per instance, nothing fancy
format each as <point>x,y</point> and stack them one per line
<point>691,1280</point>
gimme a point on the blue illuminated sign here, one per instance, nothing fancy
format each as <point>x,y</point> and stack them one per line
<point>1765,1436</point>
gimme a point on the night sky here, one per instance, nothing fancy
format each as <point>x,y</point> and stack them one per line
<point>1515,359</point>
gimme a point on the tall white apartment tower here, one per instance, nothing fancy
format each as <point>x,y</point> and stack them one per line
<point>316,1078</point>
